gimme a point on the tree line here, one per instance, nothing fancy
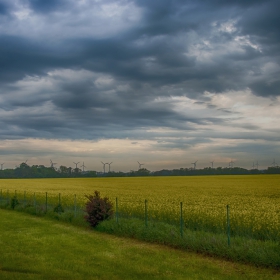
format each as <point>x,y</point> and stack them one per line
<point>41,171</point>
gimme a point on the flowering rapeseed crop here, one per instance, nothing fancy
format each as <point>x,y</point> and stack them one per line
<point>254,200</point>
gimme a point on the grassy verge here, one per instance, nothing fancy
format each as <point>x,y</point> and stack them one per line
<point>242,249</point>
<point>34,248</point>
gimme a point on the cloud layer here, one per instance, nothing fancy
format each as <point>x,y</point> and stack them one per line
<point>180,79</point>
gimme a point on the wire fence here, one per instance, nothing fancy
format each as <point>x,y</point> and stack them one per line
<point>40,203</point>
<point>219,219</point>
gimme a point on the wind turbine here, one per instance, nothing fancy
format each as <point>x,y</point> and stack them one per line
<point>83,167</point>
<point>76,164</point>
<point>257,164</point>
<point>253,166</point>
<point>2,165</point>
<point>109,166</point>
<point>212,163</point>
<point>274,163</point>
<point>140,164</point>
<point>103,166</point>
<point>52,163</point>
<point>194,164</point>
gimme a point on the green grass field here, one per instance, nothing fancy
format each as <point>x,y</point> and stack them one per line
<point>254,216</point>
<point>37,248</point>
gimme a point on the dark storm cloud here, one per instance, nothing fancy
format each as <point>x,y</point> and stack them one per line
<point>178,48</point>
<point>164,24</point>
<point>3,8</point>
<point>270,88</point>
<point>262,20</point>
<point>259,19</point>
<point>122,57</point>
<point>21,56</point>
<point>43,6</point>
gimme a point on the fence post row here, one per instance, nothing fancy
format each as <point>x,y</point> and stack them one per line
<point>34,200</point>
<point>228,225</point>
<point>75,205</point>
<point>117,211</point>
<point>46,202</point>
<point>24,199</point>
<point>181,219</point>
<point>146,212</point>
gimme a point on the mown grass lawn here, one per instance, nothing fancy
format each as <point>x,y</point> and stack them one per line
<point>37,248</point>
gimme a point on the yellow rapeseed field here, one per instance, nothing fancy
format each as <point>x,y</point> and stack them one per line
<point>254,199</point>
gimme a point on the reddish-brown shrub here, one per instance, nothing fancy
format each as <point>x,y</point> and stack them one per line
<point>98,209</point>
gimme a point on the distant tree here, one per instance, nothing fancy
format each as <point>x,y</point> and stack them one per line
<point>63,170</point>
<point>273,170</point>
<point>142,172</point>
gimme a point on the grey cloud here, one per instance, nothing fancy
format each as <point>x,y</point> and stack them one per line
<point>175,50</point>
<point>262,20</point>
<point>20,57</point>
<point>48,6</point>
<point>181,143</point>
<point>252,149</point>
<point>121,57</point>
<point>265,88</point>
<point>3,8</point>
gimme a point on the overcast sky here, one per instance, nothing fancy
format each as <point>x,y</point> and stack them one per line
<point>161,82</point>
